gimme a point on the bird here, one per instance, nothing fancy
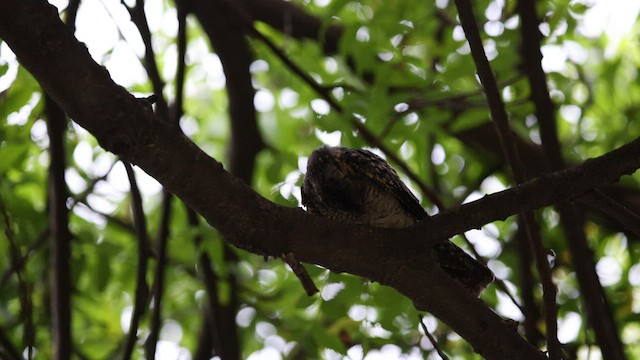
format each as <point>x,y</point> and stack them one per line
<point>357,186</point>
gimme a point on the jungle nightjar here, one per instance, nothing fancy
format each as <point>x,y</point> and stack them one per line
<point>357,186</point>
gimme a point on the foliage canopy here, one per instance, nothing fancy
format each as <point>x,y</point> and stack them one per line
<point>279,80</point>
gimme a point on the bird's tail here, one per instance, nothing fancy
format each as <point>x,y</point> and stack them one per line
<point>472,274</point>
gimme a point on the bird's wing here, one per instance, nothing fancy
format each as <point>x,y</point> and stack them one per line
<point>374,168</point>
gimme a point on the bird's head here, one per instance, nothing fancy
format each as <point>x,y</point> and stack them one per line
<point>327,178</point>
<point>326,164</point>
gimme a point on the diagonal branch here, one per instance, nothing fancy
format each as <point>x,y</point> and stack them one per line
<point>177,107</point>
<point>7,349</point>
<point>594,297</point>
<point>295,22</point>
<point>501,122</point>
<point>139,18</point>
<point>26,304</point>
<point>126,126</point>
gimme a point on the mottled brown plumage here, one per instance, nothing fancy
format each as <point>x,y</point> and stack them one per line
<point>357,186</point>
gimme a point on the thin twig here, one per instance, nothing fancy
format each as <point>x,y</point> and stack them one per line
<point>72,12</point>
<point>180,71</point>
<point>142,289</point>
<point>499,283</point>
<point>501,123</point>
<point>7,349</point>
<point>41,239</point>
<point>60,254</point>
<point>61,236</point>
<point>82,197</point>
<point>599,200</point>
<point>431,339</point>
<point>218,333</point>
<point>301,273</point>
<point>527,287</point>
<point>209,342</point>
<point>163,233</point>
<point>125,225</point>
<point>212,310</point>
<point>158,288</point>
<point>139,18</point>
<point>26,306</point>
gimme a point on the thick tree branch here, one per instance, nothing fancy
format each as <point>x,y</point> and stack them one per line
<point>126,126</point>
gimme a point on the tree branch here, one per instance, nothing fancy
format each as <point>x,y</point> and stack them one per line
<point>177,107</point>
<point>139,18</point>
<point>501,122</point>
<point>142,288</point>
<point>61,285</point>
<point>210,335</point>
<point>295,22</point>
<point>158,286</point>
<point>571,218</point>
<point>527,287</point>
<point>60,255</point>
<point>601,201</point>
<point>325,93</point>
<point>227,34</point>
<point>26,304</point>
<point>126,126</point>
<point>7,349</point>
